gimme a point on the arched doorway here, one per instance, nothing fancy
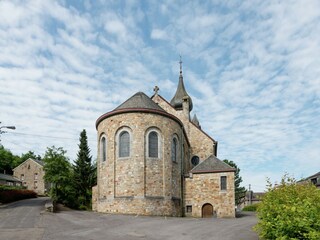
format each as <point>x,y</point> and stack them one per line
<point>207,210</point>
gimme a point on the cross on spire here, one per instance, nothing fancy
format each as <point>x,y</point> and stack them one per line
<point>156,89</point>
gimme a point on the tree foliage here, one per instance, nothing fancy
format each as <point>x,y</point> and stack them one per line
<point>7,160</point>
<point>240,192</point>
<point>58,172</point>
<point>289,210</point>
<point>83,172</point>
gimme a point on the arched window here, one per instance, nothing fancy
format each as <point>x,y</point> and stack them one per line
<point>103,147</point>
<point>124,144</point>
<point>153,144</point>
<point>174,150</point>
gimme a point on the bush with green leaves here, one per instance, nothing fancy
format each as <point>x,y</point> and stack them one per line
<point>289,210</point>
<point>251,208</point>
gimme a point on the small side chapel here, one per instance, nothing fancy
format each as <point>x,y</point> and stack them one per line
<point>154,160</point>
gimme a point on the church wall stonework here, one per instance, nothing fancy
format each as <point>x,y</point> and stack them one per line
<point>201,144</point>
<point>204,188</point>
<point>158,185</point>
<point>138,184</point>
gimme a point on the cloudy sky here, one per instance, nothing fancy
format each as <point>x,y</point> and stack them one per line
<point>252,69</point>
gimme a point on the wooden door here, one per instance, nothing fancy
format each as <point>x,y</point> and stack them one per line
<point>207,210</point>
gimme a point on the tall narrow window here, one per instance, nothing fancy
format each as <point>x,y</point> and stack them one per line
<point>174,150</point>
<point>124,144</point>
<point>153,144</point>
<point>223,183</point>
<point>103,149</point>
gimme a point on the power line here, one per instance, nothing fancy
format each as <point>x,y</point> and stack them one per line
<point>46,136</point>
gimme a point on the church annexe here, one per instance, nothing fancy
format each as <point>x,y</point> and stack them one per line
<point>154,160</point>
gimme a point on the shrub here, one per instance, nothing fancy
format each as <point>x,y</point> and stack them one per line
<point>290,210</point>
<point>251,208</point>
<point>11,195</point>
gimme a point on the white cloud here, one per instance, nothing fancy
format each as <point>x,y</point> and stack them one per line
<point>116,27</point>
<point>159,34</point>
<point>252,71</point>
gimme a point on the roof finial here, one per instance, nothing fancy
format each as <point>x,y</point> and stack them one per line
<point>156,89</point>
<point>180,64</point>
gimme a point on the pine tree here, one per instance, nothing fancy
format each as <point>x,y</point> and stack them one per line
<point>83,172</point>
<point>240,192</point>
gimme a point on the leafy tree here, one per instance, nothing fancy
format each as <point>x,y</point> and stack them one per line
<point>30,154</point>
<point>83,172</point>
<point>289,210</point>
<point>7,160</point>
<point>240,192</point>
<point>58,172</point>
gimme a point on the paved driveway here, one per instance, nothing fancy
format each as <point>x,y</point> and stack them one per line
<point>79,225</point>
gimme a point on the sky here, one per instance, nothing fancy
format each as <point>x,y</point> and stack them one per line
<point>252,69</point>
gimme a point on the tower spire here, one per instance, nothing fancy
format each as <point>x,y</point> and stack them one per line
<point>181,93</point>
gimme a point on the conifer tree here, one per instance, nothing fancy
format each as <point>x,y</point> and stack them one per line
<point>240,192</point>
<point>83,172</point>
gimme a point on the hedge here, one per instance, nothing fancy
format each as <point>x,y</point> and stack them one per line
<point>11,194</point>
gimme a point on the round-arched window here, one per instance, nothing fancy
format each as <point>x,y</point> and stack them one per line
<point>195,160</point>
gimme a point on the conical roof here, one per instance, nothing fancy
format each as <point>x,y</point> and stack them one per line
<point>139,100</point>
<point>212,164</point>
<point>181,92</point>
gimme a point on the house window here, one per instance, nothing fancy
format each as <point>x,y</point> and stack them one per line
<point>103,148</point>
<point>35,184</point>
<point>36,176</point>
<point>124,144</point>
<point>223,183</point>
<point>153,144</point>
<point>22,177</point>
<point>189,209</point>
<point>195,160</point>
<point>174,149</point>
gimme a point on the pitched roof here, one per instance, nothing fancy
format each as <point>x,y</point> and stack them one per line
<point>212,164</point>
<point>8,178</point>
<point>139,100</point>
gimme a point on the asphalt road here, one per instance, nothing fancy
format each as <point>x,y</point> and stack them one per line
<point>26,220</point>
<point>21,219</point>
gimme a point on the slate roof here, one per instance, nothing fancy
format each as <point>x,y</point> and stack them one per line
<point>212,164</point>
<point>8,178</point>
<point>139,100</point>
<point>37,161</point>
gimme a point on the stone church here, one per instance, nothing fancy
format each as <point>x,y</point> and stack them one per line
<point>154,160</point>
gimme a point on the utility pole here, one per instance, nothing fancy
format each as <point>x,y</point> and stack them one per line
<point>250,195</point>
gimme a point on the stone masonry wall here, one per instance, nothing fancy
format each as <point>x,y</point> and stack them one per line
<point>139,184</point>
<point>205,188</point>
<point>31,174</point>
<point>201,144</point>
